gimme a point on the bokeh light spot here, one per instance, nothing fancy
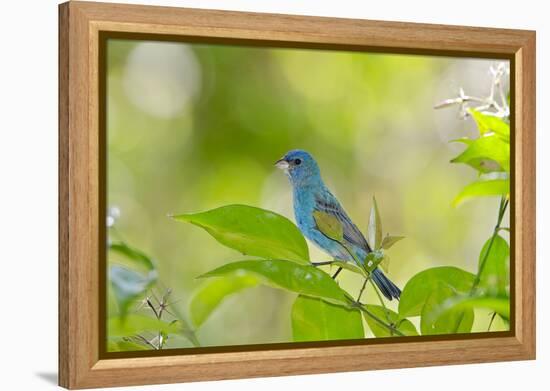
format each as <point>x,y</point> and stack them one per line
<point>161,78</point>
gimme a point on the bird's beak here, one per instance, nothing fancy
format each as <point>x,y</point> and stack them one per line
<point>281,164</point>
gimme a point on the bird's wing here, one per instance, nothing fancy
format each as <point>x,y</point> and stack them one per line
<point>351,233</point>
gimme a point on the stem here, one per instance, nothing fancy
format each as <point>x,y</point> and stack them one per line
<point>391,328</point>
<point>162,308</point>
<point>362,289</point>
<point>388,325</point>
<point>150,304</point>
<point>491,321</point>
<point>501,210</point>
<point>381,301</point>
<point>475,99</point>
<point>361,307</point>
<point>158,315</point>
<point>372,283</point>
<point>145,341</point>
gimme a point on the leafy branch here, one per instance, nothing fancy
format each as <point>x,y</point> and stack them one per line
<point>276,255</point>
<point>489,155</point>
<point>495,103</point>
<point>240,227</point>
<point>332,228</point>
<point>132,274</point>
<point>502,210</point>
<point>389,326</point>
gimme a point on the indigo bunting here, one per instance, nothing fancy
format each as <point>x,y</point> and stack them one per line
<point>311,195</point>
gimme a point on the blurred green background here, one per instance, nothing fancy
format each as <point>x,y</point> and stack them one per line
<point>192,127</point>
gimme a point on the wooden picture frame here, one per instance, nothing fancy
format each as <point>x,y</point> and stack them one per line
<point>83,27</point>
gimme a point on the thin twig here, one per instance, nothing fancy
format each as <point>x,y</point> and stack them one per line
<point>361,306</point>
<point>501,211</point>
<point>362,289</point>
<point>146,341</point>
<point>150,304</point>
<point>491,321</point>
<point>391,328</point>
<point>372,283</point>
<point>501,109</point>
<point>381,301</point>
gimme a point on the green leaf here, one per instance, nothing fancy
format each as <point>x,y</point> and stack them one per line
<point>374,231</point>
<point>489,123</point>
<point>385,263</point>
<point>504,323</point>
<point>373,259</point>
<point>387,315</point>
<point>389,241</point>
<point>495,276</point>
<point>486,154</point>
<point>128,285</point>
<point>458,303</point>
<point>212,292</point>
<point>137,258</point>
<point>457,320</point>
<point>420,286</point>
<point>120,345</point>
<point>184,327</point>
<point>482,188</point>
<point>302,279</point>
<point>314,319</point>
<point>329,225</point>
<point>252,231</point>
<point>135,324</point>
<point>463,140</point>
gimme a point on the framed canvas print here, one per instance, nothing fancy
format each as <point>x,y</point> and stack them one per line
<point>249,195</point>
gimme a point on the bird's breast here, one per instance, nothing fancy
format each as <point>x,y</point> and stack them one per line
<point>303,210</point>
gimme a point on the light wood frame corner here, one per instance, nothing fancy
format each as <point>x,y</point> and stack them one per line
<point>81,162</point>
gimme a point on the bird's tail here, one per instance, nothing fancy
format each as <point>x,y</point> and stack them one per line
<point>388,288</point>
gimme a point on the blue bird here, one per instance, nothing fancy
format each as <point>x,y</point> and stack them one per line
<point>310,194</point>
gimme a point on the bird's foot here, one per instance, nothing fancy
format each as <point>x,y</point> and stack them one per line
<point>317,264</point>
<point>337,272</point>
<point>356,304</point>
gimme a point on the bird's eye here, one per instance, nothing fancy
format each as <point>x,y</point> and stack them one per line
<point>297,161</point>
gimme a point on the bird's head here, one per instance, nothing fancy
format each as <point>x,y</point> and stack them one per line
<point>300,167</point>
